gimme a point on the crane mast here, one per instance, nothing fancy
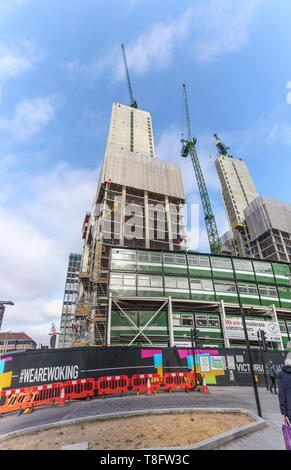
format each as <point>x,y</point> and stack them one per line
<point>189,147</point>
<point>133,102</point>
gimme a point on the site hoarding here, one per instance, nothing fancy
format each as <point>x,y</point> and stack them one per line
<point>234,329</point>
<point>221,366</point>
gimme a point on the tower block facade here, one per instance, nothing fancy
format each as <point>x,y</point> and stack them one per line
<point>138,204</point>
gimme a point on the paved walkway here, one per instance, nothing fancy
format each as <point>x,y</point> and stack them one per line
<point>269,438</point>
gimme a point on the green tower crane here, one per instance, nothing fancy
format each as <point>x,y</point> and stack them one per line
<point>189,148</point>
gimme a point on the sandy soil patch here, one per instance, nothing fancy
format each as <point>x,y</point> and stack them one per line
<point>165,430</point>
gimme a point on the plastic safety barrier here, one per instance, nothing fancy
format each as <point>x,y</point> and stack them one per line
<point>44,394</point>
<point>180,380</point>
<point>77,389</point>
<point>114,384</point>
<point>14,400</point>
<point>139,382</point>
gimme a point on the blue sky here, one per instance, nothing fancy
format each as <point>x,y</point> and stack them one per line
<point>60,71</point>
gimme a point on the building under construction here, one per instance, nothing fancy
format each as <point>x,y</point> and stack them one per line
<point>138,203</point>
<point>139,283</point>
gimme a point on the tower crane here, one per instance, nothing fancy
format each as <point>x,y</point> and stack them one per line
<point>2,309</point>
<point>133,102</point>
<point>189,148</point>
<point>223,149</point>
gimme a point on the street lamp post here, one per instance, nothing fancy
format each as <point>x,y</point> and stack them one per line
<point>250,359</point>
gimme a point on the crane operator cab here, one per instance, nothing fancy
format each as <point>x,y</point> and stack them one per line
<point>186,146</point>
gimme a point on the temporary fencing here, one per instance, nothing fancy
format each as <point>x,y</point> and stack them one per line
<point>14,400</point>
<point>77,389</point>
<point>115,384</point>
<point>28,398</point>
<point>139,382</point>
<point>180,380</point>
<point>44,394</point>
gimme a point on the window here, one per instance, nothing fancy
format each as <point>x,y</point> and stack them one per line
<point>155,258</point>
<point>241,265</point>
<point>144,281</point>
<point>129,280</point>
<point>143,256</point>
<point>182,283</point>
<point>213,321</point>
<point>193,260</point>
<point>216,262</point>
<point>204,261</point>
<point>282,326</point>
<point>262,267</point>
<point>242,289</point>
<point>207,285</point>
<point>238,265</point>
<point>269,291</point>
<point>226,264</point>
<point>263,290</point>
<point>289,327</point>
<point>187,320</point>
<point>169,259</point>
<point>272,292</point>
<point>195,284</point>
<point>180,259</point>
<point>201,320</point>
<point>219,287</point>
<point>156,281</point>
<point>253,290</point>
<point>230,288</point>
<point>170,282</point>
<point>124,254</point>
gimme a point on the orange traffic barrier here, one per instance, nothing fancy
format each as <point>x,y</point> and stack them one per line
<point>139,382</point>
<point>77,389</point>
<point>114,384</point>
<point>44,394</point>
<point>179,380</point>
<point>14,400</point>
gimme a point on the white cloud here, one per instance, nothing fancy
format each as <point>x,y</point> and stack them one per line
<point>212,28</point>
<point>154,49</point>
<point>17,59</point>
<point>7,7</point>
<point>30,117</point>
<point>151,50</point>
<point>223,26</point>
<point>39,228</point>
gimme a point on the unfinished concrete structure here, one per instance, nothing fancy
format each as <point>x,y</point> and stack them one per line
<point>138,203</point>
<point>269,226</point>
<point>260,226</point>
<point>238,191</point>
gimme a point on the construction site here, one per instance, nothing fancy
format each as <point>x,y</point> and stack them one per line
<point>138,283</point>
<point>144,314</point>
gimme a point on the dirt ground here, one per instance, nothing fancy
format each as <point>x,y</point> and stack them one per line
<point>148,431</point>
